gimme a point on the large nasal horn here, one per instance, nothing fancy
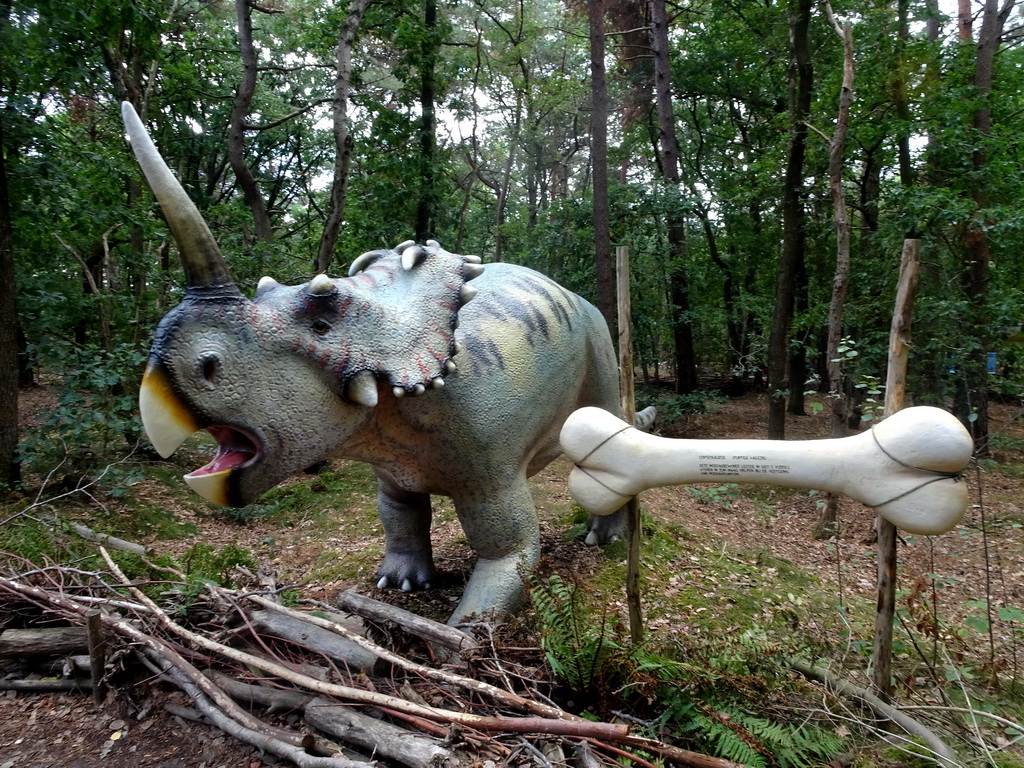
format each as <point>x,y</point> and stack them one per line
<point>206,271</point>
<point>906,467</point>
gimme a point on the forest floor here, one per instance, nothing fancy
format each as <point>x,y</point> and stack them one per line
<point>329,542</point>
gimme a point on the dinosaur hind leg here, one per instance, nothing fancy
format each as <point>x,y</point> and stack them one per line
<point>500,523</point>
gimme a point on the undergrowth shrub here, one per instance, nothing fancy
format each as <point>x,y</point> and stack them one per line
<point>720,696</point>
<point>672,406</point>
<point>94,423</point>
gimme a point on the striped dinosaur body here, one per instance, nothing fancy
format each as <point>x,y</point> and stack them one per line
<point>393,365</point>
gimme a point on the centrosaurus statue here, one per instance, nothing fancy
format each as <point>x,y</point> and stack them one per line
<point>391,366</point>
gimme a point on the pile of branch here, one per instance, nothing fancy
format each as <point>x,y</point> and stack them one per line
<point>359,702</point>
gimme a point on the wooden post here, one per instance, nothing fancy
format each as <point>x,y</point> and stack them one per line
<point>626,391</point>
<point>895,389</point>
<point>97,655</point>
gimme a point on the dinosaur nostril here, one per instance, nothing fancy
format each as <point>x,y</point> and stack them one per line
<point>209,367</point>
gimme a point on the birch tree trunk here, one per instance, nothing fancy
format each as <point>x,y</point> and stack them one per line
<point>236,125</point>
<point>342,135</point>
<point>841,280</point>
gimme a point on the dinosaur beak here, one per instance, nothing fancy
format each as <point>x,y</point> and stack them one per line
<point>168,422</point>
<point>165,417</point>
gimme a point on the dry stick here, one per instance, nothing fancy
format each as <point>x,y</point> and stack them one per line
<point>964,710</point>
<point>895,387</point>
<point>477,686</point>
<point>943,754</point>
<point>111,542</point>
<point>97,654</point>
<point>636,616</point>
<point>514,725</point>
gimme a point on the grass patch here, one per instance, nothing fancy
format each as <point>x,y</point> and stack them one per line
<point>347,486</point>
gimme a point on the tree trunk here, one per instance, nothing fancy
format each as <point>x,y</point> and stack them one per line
<point>9,467</point>
<point>599,163</point>
<point>829,520</point>
<point>793,236</point>
<point>427,203</point>
<point>971,402</point>
<point>236,125</point>
<point>505,184</point>
<point>342,136</point>
<point>668,147</point>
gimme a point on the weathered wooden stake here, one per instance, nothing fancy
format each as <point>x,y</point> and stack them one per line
<point>895,389</point>
<point>97,655</point>
<point>636,617</point>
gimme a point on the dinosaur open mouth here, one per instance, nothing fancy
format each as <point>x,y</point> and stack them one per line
<point>234,449</point>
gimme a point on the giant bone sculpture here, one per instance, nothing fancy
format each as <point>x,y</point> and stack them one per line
<point>907,467</point>
<point>335,367</point>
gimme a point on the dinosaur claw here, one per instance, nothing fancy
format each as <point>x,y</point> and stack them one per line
<point>407,586</point>
<point>419,389</point>
<point>591,539</point>
<point>398,391</point>
<point>383,583</point>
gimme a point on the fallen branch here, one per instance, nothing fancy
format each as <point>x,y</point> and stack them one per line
<point>432,631</point>
<point>944,756</point>
<point>297,754</point>
<point>294,627</point>
<point>383,739</point>
<point>110,542</point>
<point>43,641</point>
<point>274,699</point>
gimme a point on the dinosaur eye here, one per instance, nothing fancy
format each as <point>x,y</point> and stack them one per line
<point>321,326</point>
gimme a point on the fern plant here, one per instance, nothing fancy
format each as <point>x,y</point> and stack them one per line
<point>578,653</point>
<point>709,694</point>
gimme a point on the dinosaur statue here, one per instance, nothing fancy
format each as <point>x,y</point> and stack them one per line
<point>336,367</point>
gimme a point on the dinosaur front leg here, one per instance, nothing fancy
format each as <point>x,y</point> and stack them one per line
<point>501,526</point>
<point>408,557</point>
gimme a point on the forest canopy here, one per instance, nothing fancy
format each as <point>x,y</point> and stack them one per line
<point>697,134</point>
